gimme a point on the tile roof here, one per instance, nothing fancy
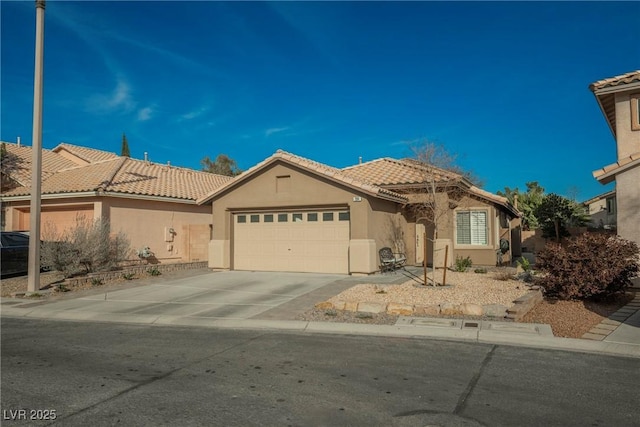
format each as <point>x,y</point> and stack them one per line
<point>90,155</point>
<point>393,174</point>
<point>607,174</point>
<point>117,175</point>
<point>332,173</point>
<point>19,161</point>
<point>630,77</point>
<point>390,172</point>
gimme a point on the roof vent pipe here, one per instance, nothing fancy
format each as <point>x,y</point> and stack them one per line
<point>146,157</point>
<point>18,141</point>
<point>169,163</point>
<point>360,160</point>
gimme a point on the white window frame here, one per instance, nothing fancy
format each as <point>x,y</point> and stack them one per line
<point>488,222</point>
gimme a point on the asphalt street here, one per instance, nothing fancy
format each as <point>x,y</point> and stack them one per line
<point>137,375</point>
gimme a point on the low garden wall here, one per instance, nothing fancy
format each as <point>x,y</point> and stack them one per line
<point>136,270</point>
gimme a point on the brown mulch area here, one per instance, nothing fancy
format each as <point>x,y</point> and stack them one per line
<point>573,319</point>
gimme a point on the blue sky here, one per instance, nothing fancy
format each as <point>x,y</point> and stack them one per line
<point>504,85</point>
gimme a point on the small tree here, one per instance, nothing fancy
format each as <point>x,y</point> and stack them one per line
<point>527,202</point>
<point>440,187</point>
<point>556,213</point>
<point>222,165</point>
<point>125,146</point>
<point>10,166</point>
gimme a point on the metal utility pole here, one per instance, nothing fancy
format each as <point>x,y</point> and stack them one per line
<point>33,283</point>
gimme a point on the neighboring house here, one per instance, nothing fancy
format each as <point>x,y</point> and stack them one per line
<point>154,205</point>
<point>289,213</point>
<point>619,100</point>
<point>602,210</point>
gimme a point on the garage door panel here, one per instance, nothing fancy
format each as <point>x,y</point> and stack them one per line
<point>299,246</point>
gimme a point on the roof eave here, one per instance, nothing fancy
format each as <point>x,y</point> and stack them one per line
<point>49,196</point>
<point>612,126</point>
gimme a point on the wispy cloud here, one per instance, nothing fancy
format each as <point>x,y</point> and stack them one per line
<point>118,100</point>
<point>194,113</point>
<point>272,131</point>
<point>145,114</point>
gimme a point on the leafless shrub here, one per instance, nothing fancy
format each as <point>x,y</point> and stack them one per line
<point>86,247</point>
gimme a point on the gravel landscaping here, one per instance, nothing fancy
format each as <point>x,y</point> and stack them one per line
<point>481,289</point>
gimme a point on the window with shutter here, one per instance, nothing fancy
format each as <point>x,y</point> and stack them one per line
<point>471,228</point>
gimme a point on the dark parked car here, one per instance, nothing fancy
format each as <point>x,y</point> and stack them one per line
<point>14,249</point>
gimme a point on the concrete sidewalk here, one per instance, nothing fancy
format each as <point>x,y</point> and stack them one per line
<point>250,303</point>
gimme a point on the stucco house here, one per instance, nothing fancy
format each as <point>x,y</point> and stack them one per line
<point>153,204</point>
<point>619,100</point>
<point>289,213</point>
<point>602,210</point>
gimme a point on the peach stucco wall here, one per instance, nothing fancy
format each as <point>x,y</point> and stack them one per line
<point>628,204</point>
<point>145,223</point>
<point>628,140</point>
<point>305,190</point>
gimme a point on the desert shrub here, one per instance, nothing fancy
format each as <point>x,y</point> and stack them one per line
<point>97,282</point>
<point>86,247</point>
<point>154,271</point>
<point>524,264</point>
<point>462,264</point>
<point>591,265</point>
<point>480,270</point>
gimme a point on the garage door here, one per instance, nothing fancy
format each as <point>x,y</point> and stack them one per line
<point>311,241</point>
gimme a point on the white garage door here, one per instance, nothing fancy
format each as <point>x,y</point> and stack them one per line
<point>313,241</point>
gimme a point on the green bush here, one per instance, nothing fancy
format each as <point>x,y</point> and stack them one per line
<point>153,271</point>
<point>462,264</point>
<point>591,265</point>
<point>480,270</point>
<point>524,264</point>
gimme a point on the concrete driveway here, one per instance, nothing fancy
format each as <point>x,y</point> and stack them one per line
<point>232,295</point>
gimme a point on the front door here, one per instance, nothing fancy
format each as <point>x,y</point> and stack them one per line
<point>420,230</point>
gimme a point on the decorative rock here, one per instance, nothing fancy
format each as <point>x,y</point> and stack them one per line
<point>400,309</point>
<point>350,306</point>
<point>371,307</point>
<point>471,309</point>
<point>495,310</point>
<point>448,309</point>
<point>324,305</point>
<point>339,305</point>
<point>430,310</point>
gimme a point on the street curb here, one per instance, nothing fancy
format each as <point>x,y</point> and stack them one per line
<point>413,332</point>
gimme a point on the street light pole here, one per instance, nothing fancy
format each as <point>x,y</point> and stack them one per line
<point>33,283</point>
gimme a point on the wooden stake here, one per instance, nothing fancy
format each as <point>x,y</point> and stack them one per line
<point>424,263</point>
<point>444,275</point>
